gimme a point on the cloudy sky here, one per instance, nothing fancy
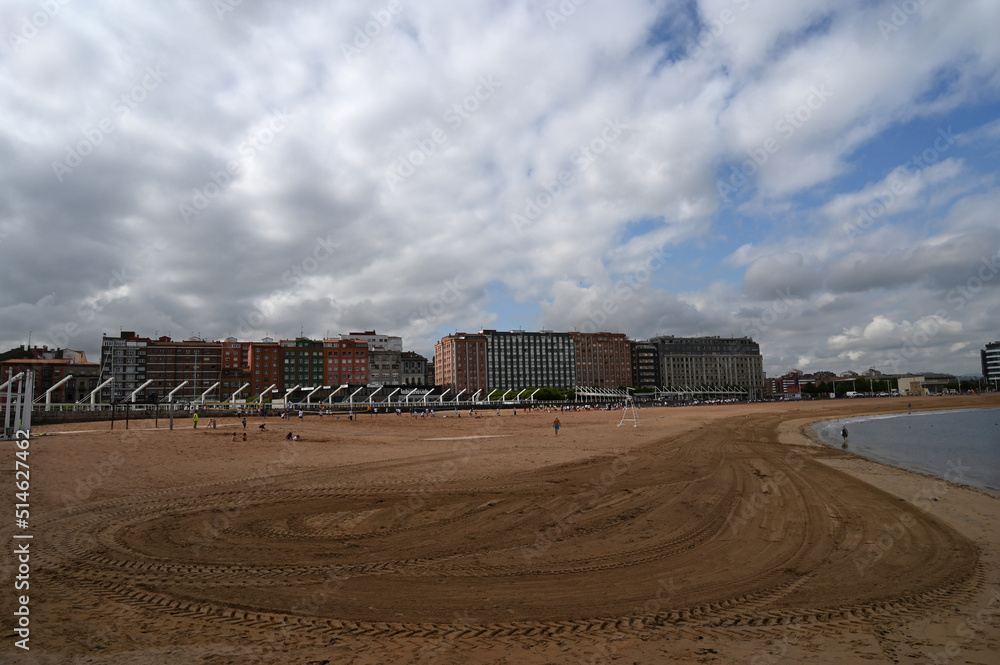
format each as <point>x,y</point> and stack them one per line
<point>821,176</point>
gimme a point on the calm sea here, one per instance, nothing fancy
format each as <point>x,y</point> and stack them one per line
<point>962,445</point>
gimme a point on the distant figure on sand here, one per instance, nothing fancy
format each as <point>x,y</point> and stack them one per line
<point>262,427</point>
<point>244,436</point>
<point>196,420</point>
<point>555,425</point>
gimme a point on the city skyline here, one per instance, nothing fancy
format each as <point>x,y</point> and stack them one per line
<point>819,178</point>
<point>430,356</point>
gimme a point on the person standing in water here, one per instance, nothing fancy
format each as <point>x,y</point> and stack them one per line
<point>843,433</point>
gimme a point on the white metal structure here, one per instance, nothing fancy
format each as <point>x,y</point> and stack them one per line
<point>205,394</point>
<point>93,393</point>
<point>313,392</point>
<point>260,398</point>
<point>232,399</point>
<point>170,395</point>
<point>48,393</point>
<point>136,391</point>
<point>630,406</point>
<point>17,407</point>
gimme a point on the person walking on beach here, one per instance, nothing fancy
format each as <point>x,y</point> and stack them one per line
<point>555,425</point>
<point>196,420</point>
<point>843,433</point>
<point>244,423</point>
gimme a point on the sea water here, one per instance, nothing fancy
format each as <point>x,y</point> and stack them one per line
<point>962,446</point>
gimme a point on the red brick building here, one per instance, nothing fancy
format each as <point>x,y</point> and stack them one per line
<point>346,362</point>
<point>460,363</point>
<point>602,359</point>
<point>265,367</point>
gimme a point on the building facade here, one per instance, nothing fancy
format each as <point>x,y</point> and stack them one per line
<point>347,362</point>
<point>266,367</point>
<point>50,371</point>
<point>376,341</point>
<point>991,364</point>
<point>711,361</point>
<point>123,358</point>
<point>519,359</point>
<point>384,367</point>
<point>645,364</point>
<point>602,360</point>
<point>170,363</point>
<point>303,364</point>
<point>460,363</point>
<point>414,369</point>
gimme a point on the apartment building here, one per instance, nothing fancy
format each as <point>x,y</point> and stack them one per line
<point>460,363</point>
<point>711,361</point>
<point>602,359</point>
<point>518,359</point>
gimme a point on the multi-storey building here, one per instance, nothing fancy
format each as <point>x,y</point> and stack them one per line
<point>266,367</point>
<point>414,369</point>
<point>519,359</point>
<point>711,361</point>
<point>384,367</point>
<point>123,358</point>
<point>235,354</point>
<point>303,364</point>
<point>645,364</point>
<point>49,371</point>
<point>460,363</point>
<point>376,341</point>
<point>991,364</point>
<point>602,359</point>
<point>347,362</point>
<point>169,364</point>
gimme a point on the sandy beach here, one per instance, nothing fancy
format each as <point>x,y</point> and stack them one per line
<point>711,534</point>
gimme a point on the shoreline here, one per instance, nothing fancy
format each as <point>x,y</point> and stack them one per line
<point>809,432</point>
